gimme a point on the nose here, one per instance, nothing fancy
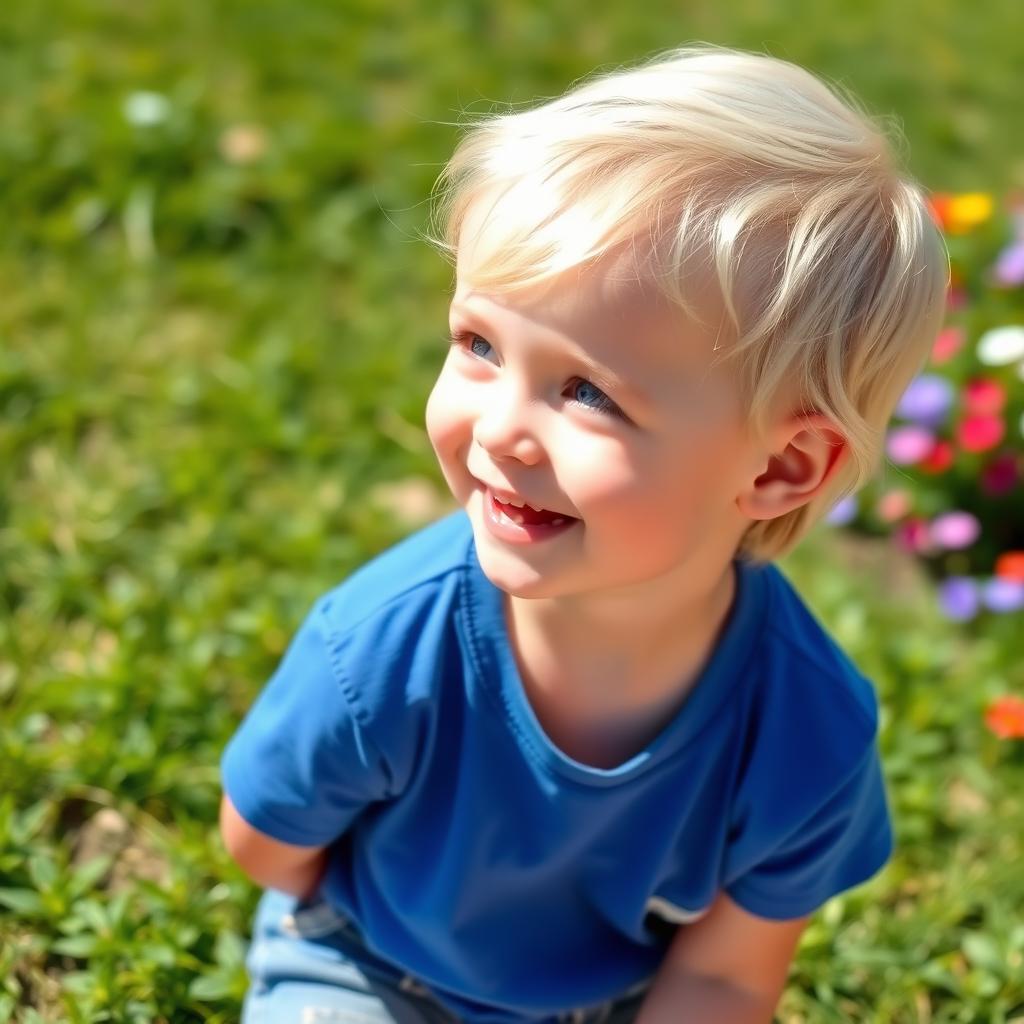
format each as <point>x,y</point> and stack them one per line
<point>504,430</point>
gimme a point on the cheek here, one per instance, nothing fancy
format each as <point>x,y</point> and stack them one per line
<point>434,414</point>
<point>606,474</point>
<point>442,415</point>
<point>649,493</point>
<point>450,430</point>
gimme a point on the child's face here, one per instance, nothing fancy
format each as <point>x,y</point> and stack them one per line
<point>594,400</point>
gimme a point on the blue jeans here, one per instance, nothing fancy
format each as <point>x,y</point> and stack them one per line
<point>308,965</point>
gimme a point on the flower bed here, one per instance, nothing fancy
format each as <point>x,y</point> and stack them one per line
<point>952,492</point>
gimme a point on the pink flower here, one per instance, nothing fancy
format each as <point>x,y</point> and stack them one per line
<point>947,344</point>
<point>954,530</point>
<point>914,536</point>
<point>909,444</point>
<point>984,396</point>
<point>980,433</point>
<point>893,505</point>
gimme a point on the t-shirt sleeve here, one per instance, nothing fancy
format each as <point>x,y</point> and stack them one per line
<point>300,767</point>
<point>846,840</point>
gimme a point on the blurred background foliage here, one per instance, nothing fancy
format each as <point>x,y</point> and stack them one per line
<point>218,327</point>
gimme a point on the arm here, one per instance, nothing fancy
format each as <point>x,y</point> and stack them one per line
<point>292,869</point>
<point>729,967</point>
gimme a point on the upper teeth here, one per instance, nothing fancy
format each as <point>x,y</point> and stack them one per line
<point>517,502</point>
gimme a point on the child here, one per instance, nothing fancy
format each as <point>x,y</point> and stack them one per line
<point>578,751</point>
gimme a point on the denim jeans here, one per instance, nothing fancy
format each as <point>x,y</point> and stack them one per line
<point>308,965</point>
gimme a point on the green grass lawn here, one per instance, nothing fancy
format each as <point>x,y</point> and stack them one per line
<point>218,327</point>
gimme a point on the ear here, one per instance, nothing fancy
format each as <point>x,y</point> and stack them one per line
<point>805,451</point>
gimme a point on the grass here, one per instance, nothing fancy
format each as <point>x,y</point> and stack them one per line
<point>212,376</point>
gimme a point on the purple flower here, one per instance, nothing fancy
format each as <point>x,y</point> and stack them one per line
<point>958,598</point>
<point>842,511</point>
<point>954,530</point>
<point>927,400</point>
<point>907,445</point>
<point>1009,268</point>
<point>1003,595</point>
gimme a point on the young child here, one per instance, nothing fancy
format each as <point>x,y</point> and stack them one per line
<point>578,751</point>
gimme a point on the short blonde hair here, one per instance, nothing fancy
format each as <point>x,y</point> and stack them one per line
<point>831,271</point>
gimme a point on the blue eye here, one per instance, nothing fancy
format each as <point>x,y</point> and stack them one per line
<point>479,347</point>
<point>578,390</point>
<point>473,344</point>
<point>591,396</point>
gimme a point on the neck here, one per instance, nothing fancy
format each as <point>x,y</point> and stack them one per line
<point>605,674</point>
<point>623,648</point>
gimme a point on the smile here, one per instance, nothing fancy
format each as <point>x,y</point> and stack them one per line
<point>522,524</point>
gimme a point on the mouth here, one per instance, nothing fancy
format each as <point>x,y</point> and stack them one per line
<point>510,520</point>
<point>521,513</point>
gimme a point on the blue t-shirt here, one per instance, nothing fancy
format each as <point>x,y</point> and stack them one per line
<point>513,880</point>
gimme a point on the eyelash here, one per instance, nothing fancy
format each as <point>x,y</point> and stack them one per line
<point>465,342</point>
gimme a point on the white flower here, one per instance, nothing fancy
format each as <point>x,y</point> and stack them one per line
<point>1001,345</point>
<point>146,108</point>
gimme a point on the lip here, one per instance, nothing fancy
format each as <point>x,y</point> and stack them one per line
<point>509,497</point>
<point>500,526</point>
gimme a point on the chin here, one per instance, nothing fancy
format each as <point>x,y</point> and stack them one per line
<point>514,580</point>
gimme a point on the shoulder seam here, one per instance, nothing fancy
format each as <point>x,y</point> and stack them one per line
<point>348,691</point>
<point>333,639</point>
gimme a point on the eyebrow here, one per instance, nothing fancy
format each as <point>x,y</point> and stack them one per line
<point>595,372</point>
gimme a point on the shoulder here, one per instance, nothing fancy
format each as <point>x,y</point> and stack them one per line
<point>391,630</point>
<point>802,667</point>
<point>809,815</point>
<point>366,662</point>
<point>812,715</point>
<point>800,641</point>
<point>413,571</point>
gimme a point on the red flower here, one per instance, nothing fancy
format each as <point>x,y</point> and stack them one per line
<point>984,396</point>
<point>1005,717</point>
<point>1000,475</point>
<point>913,535</point>
<point>980,433</point>
<point>1010,565</point>
<point>939,459</point>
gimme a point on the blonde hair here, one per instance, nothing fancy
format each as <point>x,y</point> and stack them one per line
<point>831,271</point>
